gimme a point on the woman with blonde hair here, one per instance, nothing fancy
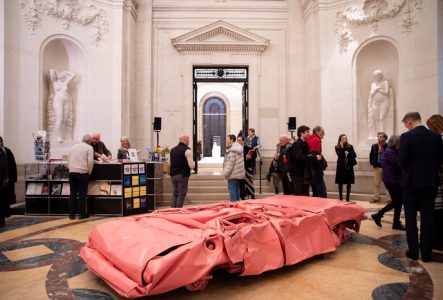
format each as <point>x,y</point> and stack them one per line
<point>123,152</point>
<point>435,123</point>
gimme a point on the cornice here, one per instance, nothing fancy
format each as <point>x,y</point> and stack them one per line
<point>230,38</point>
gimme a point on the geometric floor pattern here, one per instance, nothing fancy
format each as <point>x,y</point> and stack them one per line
<point>39,260</point>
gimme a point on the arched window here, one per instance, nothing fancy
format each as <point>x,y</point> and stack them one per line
<point>214,125</point>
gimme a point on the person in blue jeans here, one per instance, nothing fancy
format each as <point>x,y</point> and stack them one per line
<point>233,166</point>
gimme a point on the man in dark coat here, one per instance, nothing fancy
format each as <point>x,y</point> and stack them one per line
<point>299,155</point>
<point>421,153</point>
<point>8,178</point>
<point>317,181</point>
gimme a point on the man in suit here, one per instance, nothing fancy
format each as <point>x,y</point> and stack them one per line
<point>421,153</point>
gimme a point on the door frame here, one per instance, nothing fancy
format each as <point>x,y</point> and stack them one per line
<point>218,74</point>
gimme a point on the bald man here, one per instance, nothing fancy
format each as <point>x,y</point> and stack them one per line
<point>181,166</point>
<point>100,150</point>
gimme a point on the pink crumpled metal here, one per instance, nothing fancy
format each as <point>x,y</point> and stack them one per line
<point>155,253</point>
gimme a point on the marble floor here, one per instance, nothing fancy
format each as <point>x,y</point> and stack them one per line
<point>39,260</point>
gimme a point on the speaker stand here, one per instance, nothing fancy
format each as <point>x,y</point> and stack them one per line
<point>157,131</point>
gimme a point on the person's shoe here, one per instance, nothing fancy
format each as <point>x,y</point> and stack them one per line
<point>398,226</point>
<point>377,219</point>
<point>374,200</point>
<point>410,255</point>
<point>85,216</point>
<point>71,217</point>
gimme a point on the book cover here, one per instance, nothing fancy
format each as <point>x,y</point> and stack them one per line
<point>136,191</point>
<point>128,192</point>
<point>93,188</point>
<point>135,180</point>
<point>141,168</point>
<point>128,204</point>
<point>56,189</point>
<point>30,189</point>
<point>44,189</point>
<point>143,191</point>
<point>127,181</point>
<point>116,190</point>
<point>136,203</point>
<point>126,169</point>
<point>143,202</point>
<point>142,179</point>
<point>105,188</point>
<point>66,189</point>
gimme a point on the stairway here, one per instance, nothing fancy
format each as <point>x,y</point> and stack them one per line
<point>209,186</point>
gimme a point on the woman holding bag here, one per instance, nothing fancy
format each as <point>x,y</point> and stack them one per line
<point>346,160</point>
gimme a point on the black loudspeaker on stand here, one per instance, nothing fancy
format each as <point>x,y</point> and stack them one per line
<point>292,123</point>
<point>292,126</point>
<point>157,125</point>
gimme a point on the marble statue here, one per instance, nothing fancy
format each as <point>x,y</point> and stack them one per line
<point>380,106</point>
<point>60,106</point>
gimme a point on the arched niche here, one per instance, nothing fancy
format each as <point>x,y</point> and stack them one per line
<point>375,54</point>
<point>63,53</point>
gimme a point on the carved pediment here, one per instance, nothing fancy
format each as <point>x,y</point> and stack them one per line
<point>220,36</point>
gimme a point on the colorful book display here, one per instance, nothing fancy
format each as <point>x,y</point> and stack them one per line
<point>115,189</point>
<point>134,187</point>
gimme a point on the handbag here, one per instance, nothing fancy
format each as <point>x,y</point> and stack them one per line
<point>350,162</point>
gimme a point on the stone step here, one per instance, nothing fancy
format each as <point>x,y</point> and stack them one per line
<point>222,189</point>
<point>201,199</point>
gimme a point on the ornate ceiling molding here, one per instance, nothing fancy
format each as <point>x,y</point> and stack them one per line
<point>220,36</point>
<point>68,11</point>
<point>372,12</point>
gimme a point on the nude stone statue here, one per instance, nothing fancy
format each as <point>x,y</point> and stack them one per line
<point>60,106</point>
<point>380,104</point>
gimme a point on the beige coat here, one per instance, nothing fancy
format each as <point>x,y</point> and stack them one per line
<point>233,164</point>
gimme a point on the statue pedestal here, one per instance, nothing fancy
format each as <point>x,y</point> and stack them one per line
<point>60,148</point>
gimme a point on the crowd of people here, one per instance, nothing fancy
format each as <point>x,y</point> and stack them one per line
<point>410,166</point>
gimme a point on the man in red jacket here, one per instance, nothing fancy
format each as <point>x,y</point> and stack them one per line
<point>317,181</point>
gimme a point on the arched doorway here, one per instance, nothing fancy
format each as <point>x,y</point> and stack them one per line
<point>214,126</point>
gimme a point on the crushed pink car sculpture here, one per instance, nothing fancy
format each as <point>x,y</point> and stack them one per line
<point>156,253</point>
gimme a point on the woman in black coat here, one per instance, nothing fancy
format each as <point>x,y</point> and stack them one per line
<point>346,160</point>
<point>8,178</point>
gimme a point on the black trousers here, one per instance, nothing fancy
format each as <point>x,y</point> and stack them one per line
<point>300,188</point>
<point>288,187</point>
<point>396,193</point>
<point>78,184</point>
<point>419,200</point>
